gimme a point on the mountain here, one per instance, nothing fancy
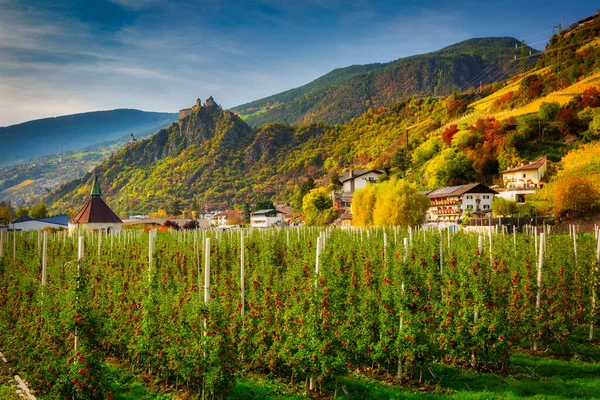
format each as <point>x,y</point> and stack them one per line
<point>346,93</point>
<point>214,159</point>
<point>73,132</point>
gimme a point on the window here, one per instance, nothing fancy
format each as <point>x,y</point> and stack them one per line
<point>469,206</point>
<point>469,197</point>
<point>486,207</point>
<point>486,197</point>
<point>524,175</point>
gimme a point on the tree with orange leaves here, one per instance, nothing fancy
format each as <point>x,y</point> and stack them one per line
<point>573,196</point>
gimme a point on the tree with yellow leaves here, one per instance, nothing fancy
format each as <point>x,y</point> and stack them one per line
<point>389,203</point>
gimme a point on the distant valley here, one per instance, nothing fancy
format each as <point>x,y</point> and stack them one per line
<point>49,136</point>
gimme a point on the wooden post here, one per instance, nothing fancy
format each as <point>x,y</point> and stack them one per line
<point>45,259</point>
<point>242,278</point>
<point>515,239</point>
<point>538,298</point>
<point>39,244</point>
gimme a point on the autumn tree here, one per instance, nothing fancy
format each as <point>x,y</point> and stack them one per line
<point>574,195</point>
<point>448,134</point>
<point>22,212</point>
<point>39,210</point>
<point>390,203</point>
<point>317,207</point>
<point>363,204</point>
<point>6,213</point>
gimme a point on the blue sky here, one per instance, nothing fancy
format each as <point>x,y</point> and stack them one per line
<point>67,56</point>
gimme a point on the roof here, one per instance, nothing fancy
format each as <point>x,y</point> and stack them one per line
<point>57,220</point>
<point>532,165</point>
<point>227,213</point>
<point>95,210</point>
<point>24,218</point>
<point>356,173</point>
<point>96,188</point>
<point>262,212</point>
<point>453,191</point>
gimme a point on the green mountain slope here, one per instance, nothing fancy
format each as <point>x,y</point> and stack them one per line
<point>346,93</point>
<point>73,132</point>
<point>215,159</point>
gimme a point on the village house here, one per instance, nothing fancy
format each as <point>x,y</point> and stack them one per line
<point>95,214</point>
<point>227,218</point>
<point>449,204</point>
<point>26,223</point>
<point>526,176</point>
<point>352,181</point>
<point>266,218</point>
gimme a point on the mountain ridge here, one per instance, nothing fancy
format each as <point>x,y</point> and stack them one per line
<point>29,139</point>
<point>429,74</point>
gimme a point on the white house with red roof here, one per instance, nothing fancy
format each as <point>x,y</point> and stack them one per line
<point>525,176</point>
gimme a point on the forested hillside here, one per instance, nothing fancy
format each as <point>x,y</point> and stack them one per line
<point>346,93</point>
<point>214,159</point>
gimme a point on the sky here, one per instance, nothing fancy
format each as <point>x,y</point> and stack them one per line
<point>63,57</point>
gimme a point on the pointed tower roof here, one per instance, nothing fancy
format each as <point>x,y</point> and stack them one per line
<point>96,188</point>
<point>95,210</point>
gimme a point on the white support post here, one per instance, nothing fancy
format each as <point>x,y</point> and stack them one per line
<point>1,244</point>
<point>317,266</point>
<point>45,259</point>
<point>99,242</point>
<point>405,249</point>
<point>207,272</point>
<point>538,298</point>
<point>242,276</point>
<point>594,288</point>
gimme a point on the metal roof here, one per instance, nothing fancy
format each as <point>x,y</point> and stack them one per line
<point>57,219</point>
<point>261,212</point>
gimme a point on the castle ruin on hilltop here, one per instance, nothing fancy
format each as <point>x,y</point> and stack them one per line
<point>186,112</point>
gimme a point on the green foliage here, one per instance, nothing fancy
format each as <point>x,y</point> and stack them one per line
<point>347,93</point>
<point>39,210</point>
<point>504,208</point>
<point>22,212</point>
<point>449,168</point>
<point>317,207</point>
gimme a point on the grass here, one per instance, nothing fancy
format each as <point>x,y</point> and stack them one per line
<point>7,392</point>
<point>126,386</point>
<point>575,376</point>
<point>562,97</point>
